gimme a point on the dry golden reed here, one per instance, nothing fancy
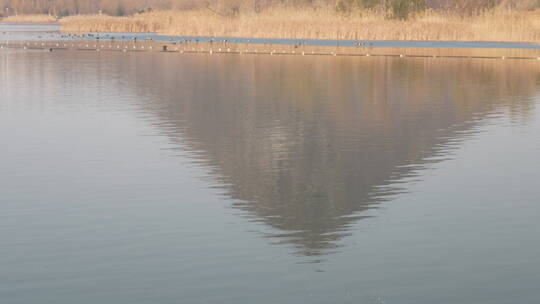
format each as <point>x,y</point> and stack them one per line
<point>495,25</point>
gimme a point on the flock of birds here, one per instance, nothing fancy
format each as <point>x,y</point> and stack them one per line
<point>118,37</point>
<point>136,38</point>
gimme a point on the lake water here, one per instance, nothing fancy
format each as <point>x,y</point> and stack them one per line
<point>169,178</point>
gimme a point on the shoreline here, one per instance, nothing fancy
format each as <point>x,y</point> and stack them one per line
<point>141,37</point>
<point>158,37</point>
<point>31,22</point>
<point>30,19</point>
<point>492,26</point>
<point>216,47</point>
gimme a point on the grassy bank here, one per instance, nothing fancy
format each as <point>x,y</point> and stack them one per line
<point>495,25</point>
<point>30,19</point>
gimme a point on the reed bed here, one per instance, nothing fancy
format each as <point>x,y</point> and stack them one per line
<point>30,19</point>
<point>495,25</point>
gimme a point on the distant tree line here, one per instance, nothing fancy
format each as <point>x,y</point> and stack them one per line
<point>402,8</point>
<point>398,8</point>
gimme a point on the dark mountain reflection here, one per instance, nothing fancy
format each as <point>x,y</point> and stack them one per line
<point>305,144</point>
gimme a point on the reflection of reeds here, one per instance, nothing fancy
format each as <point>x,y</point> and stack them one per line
<point>305,143</point>
<point>323,24</point>
<point>30,19</point>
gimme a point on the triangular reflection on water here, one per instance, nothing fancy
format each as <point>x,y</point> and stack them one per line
<point>307,144</point>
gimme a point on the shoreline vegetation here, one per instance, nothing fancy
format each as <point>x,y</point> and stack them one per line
<point>413,20</point>
<point>508,26</point>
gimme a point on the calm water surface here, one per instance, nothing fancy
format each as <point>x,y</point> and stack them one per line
<point>168,178</point>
